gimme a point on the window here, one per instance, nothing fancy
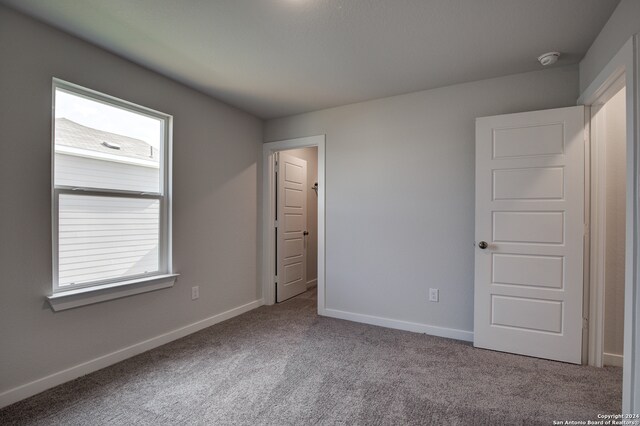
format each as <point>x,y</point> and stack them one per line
<point>110,190</point>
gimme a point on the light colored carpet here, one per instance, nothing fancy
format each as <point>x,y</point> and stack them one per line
<point>284,365</point>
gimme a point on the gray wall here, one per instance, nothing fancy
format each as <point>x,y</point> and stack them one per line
<point>216,150</point>
<point>623,23</point>
<point>310,155</point>
<point>400,192</point>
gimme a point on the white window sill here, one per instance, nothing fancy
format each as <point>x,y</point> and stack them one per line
<point>101,293</point>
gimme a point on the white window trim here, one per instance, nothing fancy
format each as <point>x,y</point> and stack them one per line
<point>64,300</point>
<point>67,297</point>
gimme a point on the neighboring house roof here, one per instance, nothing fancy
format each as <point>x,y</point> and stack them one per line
<point>74,135</point>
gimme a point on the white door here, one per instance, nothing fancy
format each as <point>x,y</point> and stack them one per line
<point>529,233</point>
<point>292,222</point>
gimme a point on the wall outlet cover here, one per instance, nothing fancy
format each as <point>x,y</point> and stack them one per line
<point>434,295</point>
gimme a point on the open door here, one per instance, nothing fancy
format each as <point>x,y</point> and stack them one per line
<point>291,223</point>
<point>529,233</point>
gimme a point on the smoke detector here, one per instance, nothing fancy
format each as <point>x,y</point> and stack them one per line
<point>549,58</point>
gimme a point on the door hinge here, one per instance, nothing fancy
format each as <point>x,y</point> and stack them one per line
<point>275,223</point>
<point>586,229</point>
<point>585,323</point>
<point>275,279</point>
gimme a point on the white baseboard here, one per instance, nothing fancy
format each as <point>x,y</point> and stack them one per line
<point>612,359</point>
<point>29,389</point>
<point>312,283</point>
<point>432,330</point>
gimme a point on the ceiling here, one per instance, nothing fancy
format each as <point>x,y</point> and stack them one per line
<point>274,58</point>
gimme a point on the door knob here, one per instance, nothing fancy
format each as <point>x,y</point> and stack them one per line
<point>305,233</point>
<point>483,245</point>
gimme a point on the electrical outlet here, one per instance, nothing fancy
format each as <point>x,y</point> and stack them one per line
<point>195,292</point>
<point>434,295</point>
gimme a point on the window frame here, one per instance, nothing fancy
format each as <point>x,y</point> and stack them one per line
<point>163,196</point>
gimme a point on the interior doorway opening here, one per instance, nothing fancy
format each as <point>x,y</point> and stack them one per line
<point>296,225</point>
<point>608,226</point>
<point>270,152</point>
<point>623,65</point>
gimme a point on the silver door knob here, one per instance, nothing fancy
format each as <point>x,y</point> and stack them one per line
<point>483,245</point>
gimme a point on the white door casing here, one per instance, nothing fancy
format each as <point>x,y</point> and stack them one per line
<point>292,222</point>
<point>530,212</point>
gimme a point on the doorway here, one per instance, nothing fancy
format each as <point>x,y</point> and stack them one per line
<point>624,67</point>
<point>607,227</point>
<point>269,262</point>
<point>296,210</point>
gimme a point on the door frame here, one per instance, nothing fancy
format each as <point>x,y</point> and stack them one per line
<point>597,235</point>
<point>625,62</point>
<point>268,256</point>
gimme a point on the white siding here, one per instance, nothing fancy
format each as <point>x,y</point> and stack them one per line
<point>106,237</point>
<point>89,172</point>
